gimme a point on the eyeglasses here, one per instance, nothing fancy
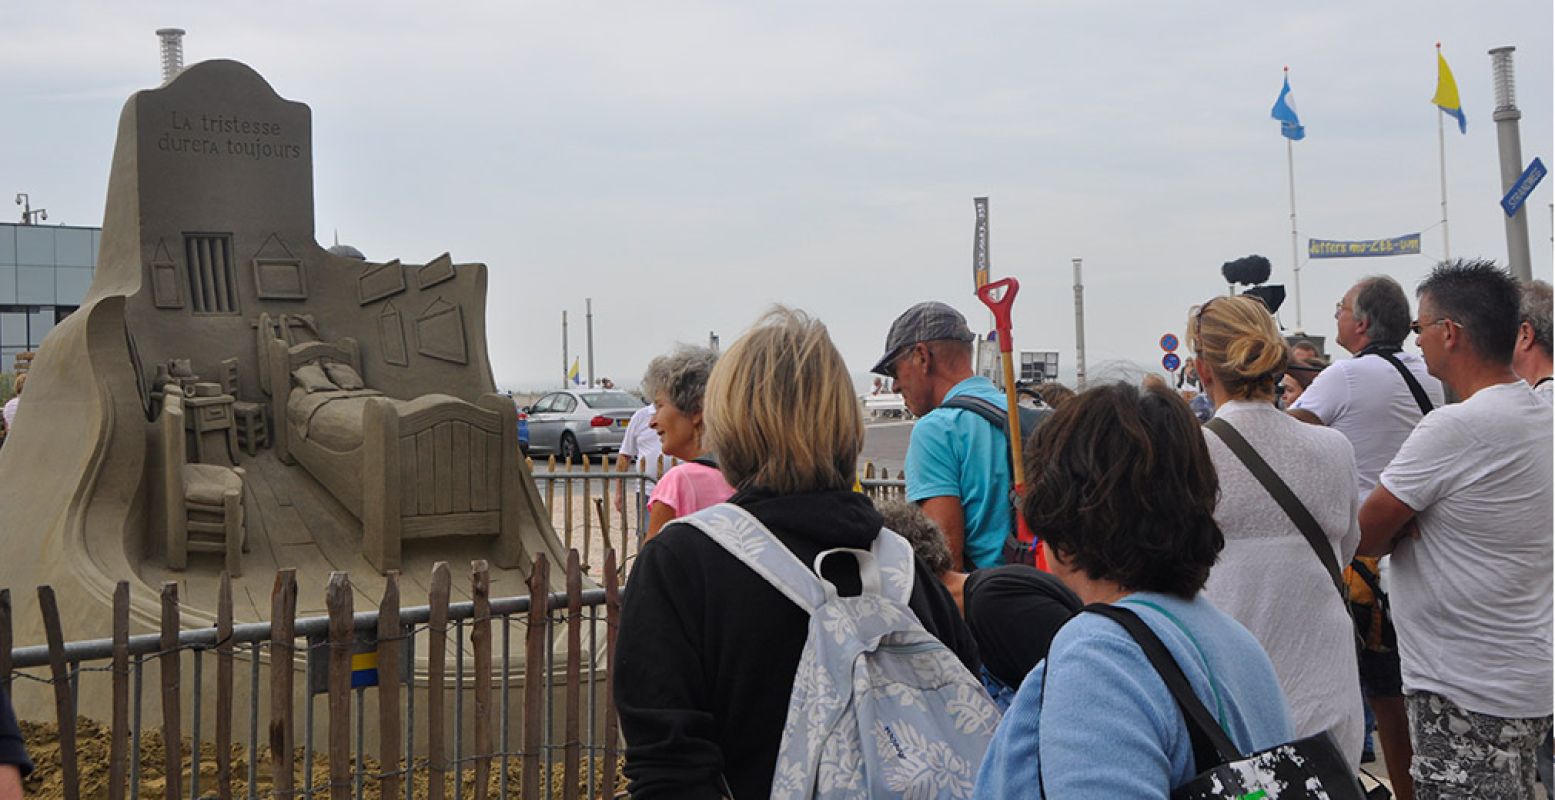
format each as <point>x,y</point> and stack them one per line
<point>1414,327</point>
<point>890,366</point>
<point>1339,307</point>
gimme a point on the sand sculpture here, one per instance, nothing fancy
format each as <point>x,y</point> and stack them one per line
<point>232,396</point>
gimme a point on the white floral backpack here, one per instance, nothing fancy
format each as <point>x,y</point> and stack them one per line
<point>880,707</point>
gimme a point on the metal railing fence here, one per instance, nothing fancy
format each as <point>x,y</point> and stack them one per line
<point>580,499</point>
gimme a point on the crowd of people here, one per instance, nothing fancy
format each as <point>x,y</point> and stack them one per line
<point>1334,542</point>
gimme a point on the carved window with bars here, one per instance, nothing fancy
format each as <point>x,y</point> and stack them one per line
<point>212,280</point>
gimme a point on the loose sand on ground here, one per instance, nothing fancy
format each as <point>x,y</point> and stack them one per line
<point>92,743</point>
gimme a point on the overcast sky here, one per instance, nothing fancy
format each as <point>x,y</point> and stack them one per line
<point>688,164</point>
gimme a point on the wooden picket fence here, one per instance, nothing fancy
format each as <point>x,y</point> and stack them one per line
<point>329,641</point>
<point>336,637</point>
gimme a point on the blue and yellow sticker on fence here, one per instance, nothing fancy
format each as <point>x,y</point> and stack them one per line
<point>364,670</point>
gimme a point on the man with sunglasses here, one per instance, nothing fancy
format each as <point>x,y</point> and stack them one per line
<point>958,466</point>
<point>1465,509</point>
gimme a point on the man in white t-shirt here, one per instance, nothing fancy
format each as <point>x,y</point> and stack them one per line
<point>640,446</point>
<point>1368,399</point>
<point>1465,508</point>
<point>1531,356</point>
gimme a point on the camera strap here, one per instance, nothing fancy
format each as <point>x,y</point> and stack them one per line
<point>1388,354</point>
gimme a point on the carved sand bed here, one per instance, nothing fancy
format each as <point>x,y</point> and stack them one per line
<point>294,522</point>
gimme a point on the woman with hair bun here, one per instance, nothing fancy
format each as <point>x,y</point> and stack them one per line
<point>1270,577</point>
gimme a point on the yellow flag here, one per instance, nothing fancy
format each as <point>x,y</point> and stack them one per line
<point>1447,92</point>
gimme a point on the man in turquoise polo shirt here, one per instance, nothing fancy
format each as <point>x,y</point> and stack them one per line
<point>958,467</point>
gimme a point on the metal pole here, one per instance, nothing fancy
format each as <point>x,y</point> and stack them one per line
<point>564,348</point>
<point>172,52</point>
<point>1509,143</point>
<point>1079,328</point>
<point>1441,151</point>
<point>588,319</point>
<point>1295,252</point>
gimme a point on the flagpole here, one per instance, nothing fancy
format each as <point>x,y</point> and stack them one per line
<point>1441,147</point>
<point>1295,257</point>
<point>1441,152</point>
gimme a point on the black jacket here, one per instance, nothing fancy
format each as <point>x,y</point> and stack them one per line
<point>13,749</point>
<point>707,649</point>
<point>1014,612</point>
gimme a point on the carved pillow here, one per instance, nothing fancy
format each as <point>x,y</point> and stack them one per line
<point>343,375</point>
<point>312,379</point>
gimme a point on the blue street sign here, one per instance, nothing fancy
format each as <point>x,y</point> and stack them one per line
<point>1171,362</point>
<point>1523,187</point>
<point>1169,343</point>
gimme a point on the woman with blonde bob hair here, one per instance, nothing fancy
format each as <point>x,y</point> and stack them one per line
<point>707,651</point>
<point>780,410</point>
<point>1270,577</point>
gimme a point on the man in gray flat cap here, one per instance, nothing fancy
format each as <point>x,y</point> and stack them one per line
<point>958,466</point>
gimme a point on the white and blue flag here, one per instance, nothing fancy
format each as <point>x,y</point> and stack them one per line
<point>1285,111</point>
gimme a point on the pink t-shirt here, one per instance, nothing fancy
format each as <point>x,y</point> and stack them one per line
<point>691,487</point>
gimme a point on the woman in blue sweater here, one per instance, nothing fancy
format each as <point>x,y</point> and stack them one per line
<point>1122,490</point>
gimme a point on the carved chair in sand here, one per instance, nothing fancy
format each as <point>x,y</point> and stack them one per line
<point>203,503</point>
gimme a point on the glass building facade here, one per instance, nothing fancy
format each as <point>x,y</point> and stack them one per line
<point>45,271</point>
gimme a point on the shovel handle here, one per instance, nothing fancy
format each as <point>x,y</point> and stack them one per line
<point>999,296</point>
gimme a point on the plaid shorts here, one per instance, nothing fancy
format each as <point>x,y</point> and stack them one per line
<point>1462,754</point>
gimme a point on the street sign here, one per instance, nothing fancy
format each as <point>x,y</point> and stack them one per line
<point>1171,362</point>
<point>1523,187</point>
<point>1169,343</point>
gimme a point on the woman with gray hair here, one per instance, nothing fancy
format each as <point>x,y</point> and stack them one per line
<point>677,382</point>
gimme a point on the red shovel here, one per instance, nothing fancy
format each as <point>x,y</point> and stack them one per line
<point>999,296</point>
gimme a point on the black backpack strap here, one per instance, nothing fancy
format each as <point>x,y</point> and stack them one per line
<point>999,418</point>
<point>1421,399</point>
<point>1015,551</point>
<point>706,461</point>
<point>996,416</point>
<point>1282,494</point>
